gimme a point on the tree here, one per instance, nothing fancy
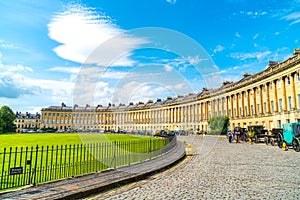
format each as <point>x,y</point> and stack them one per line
<point>7,118</point>
<point>218,124</point>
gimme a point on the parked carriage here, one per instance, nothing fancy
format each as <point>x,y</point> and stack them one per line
<point>256,133</point>
<point>290,135</point>
<point>272,137</point>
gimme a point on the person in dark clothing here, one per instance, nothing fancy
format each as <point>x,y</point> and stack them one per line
<point>237,134</point>
<point>230,136</point>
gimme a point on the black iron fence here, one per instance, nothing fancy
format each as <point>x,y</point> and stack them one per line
<point>32,165</point>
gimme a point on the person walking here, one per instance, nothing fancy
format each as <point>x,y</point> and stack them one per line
<point>230,136</point>
<point>237,133</point>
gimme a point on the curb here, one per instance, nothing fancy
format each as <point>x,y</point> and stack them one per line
<point>103,181</point>
<point>126,180</point>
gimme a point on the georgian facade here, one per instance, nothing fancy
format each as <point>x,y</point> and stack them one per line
<point>27,121</point>
<point>269,98</point>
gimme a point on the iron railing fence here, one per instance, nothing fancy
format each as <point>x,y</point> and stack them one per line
<point>32,165</point>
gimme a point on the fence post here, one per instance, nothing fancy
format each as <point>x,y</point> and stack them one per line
<point>115,160</point>
<point>3,167</point>
<point>129,151</point>
<point>150,148</point>
<point>35,164</point>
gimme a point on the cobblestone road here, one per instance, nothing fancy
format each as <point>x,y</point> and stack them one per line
<point>219,170</point>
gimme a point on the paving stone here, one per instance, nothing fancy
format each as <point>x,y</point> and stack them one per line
<point>220,170</point>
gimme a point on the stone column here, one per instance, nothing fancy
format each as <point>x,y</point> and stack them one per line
<point>268,98</point>
<point>248,103</point>
<point>179,114</point>
<point>261,99</point>
<point>218,108</point>
<point>284,93</point>
<point>201,112</point>
<point>243,104</point>
<point>237,106</point>
<point>275,95</point>
<point>212,109</point>
<point>294,102</point>
<point>222,105</point>
<point>232,109</point>
<point>206,110</point>
<point>254,101</point>
<point>227,106</point>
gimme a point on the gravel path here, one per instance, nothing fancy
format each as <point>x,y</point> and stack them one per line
<point>220,170</point>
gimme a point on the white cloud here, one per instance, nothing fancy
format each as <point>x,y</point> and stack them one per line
<point>135,91</point>
<point>168,68</point>
<point>294,17</point>
<point>80,30</point>
<point>252,14</point>
<point>6,45</point>
<point>19,68</point>
<point>245,56</point>
<point>90,71</point>
<point>255,36</point>
<point>194,60</point>
<point>71,70</point>
<point>171,1</point>
<point>13,81</point>
<point>218,48</point>
<point>277,33</point>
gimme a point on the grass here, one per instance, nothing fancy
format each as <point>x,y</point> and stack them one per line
<point>60,156</point>
<point>23,140</point>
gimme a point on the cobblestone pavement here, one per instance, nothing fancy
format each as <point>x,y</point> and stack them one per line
<point>220,170</point>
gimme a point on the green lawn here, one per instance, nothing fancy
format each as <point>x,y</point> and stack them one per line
<point>59,156</point>
<point>23,140</point>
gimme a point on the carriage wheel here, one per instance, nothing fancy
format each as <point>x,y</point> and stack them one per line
<point>279,140</point>
<point>256,139</point>
<point>272,141</point>
<point>296,144</point>
<point>267,140</point>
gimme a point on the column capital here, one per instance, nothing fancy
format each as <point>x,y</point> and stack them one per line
<point>293,73</point>
<point>283,77</point>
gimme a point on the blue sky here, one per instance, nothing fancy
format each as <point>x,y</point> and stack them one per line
<point>96,52</point>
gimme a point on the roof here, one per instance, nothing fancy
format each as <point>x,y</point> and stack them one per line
<point>28,115</point>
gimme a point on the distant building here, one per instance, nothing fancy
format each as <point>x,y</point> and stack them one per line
<point>269,98</point>
<point>27,121</point>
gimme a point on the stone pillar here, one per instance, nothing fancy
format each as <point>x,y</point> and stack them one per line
<point>232,109</point>
<point>201,112</point>
<point>237,106</point>
<point>268,98</point>
<point>261,99</point>
<point>183,114</point>
<point>248,102</point>
<point>206,110</point>
<point>222,100</point>
<point>179,114</point>
<point>254,101</point>
<point>218,108</point>
<point>294,102</point>
<point>284,93</point>
<point>227,106</point>
<point>275,96</point>
<point>243,104</point>
<point>212,109</point>
<point>171,115</point>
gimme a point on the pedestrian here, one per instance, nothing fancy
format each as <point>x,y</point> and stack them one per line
<point>237,133</point>
<point>230,136</point>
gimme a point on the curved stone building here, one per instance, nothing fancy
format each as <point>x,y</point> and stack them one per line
<point>269,98</point>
